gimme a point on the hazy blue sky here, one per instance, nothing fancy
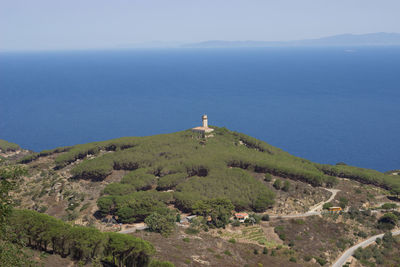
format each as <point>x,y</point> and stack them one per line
<point>76,24</point>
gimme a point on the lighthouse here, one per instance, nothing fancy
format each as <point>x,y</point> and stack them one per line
<point>204,128</point>
<point>205,121</point>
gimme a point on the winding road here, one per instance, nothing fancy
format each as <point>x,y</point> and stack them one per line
<point>348,253</point>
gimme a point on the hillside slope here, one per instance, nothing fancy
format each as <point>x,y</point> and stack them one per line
<point>126,174</point>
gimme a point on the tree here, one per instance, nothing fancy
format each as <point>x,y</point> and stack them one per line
<point>388,221</point>
<point>105,205</point>
<point>218,210</point>
<point>127,250</point>
<point>161,223</point>
<point>278,184</point>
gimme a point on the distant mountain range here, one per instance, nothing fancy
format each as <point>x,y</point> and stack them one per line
<point>371,39</point>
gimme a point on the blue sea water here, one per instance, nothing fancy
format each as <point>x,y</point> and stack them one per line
<point>323,104</point>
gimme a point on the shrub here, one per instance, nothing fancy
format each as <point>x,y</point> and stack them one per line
<point>228,253</point>
<point>362,234</point>
<point>255,251</point>
<point>265,251</point>
<point>268,177</point>
<point>282,236</point>
<point>286,186</point>
<point>321,261</point>
<point>327,205</point>
<point>292,259</point>
<point>232,240</point>
<point>278,184</point>
<point>265,217</point>
<point>186,239</point>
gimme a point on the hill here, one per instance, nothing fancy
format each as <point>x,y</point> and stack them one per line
<point>371,39</point>
<point>132,180</point>
<point>132,177</point>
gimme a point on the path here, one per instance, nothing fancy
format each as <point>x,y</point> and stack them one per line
<point>315,210</point>
<point>320,205</point>
<point>133,229</point>
<point>348,253</point>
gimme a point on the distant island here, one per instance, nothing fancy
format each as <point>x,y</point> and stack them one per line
<point>371,39</point>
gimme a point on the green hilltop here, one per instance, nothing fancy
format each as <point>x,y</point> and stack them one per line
<point>184,168</point>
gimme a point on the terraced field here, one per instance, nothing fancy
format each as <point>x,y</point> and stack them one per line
<point>251,234</point>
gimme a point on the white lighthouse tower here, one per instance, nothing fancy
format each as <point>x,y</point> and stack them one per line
<point>205,121</point>
<point>204,128</point>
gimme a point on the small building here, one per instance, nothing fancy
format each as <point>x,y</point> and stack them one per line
<point>241,216</point>
<point>335,209</point>
<point>203,129</point>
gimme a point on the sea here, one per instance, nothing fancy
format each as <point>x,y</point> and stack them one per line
<point>328,105</point>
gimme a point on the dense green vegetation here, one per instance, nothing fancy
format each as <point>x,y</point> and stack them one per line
<point>134,207</point>
<point>245,192</point>
<point>197,169</point>
<point>45,233</point>
<point>7,146</point>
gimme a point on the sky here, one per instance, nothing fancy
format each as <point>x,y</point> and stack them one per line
<point>98,24</point>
